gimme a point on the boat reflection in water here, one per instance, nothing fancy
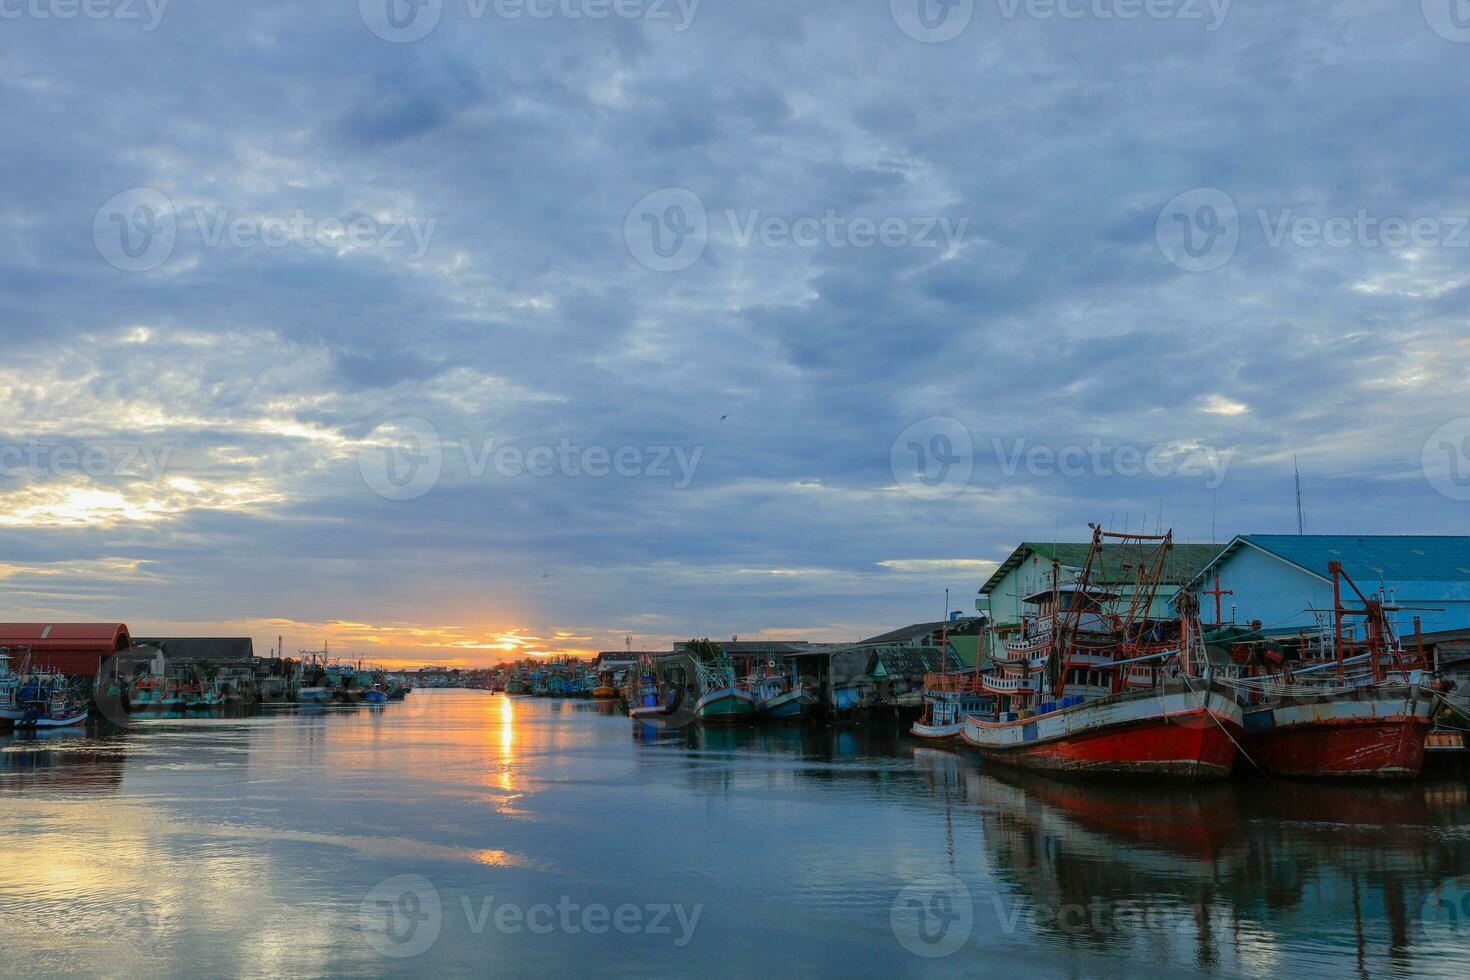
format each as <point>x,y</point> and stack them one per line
<point>1236,877</point>
<point>60,759</point>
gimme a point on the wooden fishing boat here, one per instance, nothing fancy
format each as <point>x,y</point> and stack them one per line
<point>1093,686</point>
<point>48,702</point>
<point>11,710</point>
<point>649,698</point>
<point>156,694</point>
<point>948,699</point>
<point>604,689</point>
<point>780,695</point>
<point>1363,711</point>
<point>721,698</point>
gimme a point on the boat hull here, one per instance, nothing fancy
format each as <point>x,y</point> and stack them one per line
<point>726,704</point>
<point>1376,733</point>
<point>789,706</point>
<point>1174,732</point>
<point>938,733</point>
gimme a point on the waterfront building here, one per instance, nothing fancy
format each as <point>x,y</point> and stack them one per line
<point>1283,581</point>
<point>1028,571</point>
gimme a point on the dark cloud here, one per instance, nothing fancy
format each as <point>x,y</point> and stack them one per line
<point>526,319</point>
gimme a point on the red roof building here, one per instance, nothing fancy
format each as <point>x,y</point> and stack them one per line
<point>75,649</point>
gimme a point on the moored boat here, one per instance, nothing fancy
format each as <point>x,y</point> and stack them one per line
<point>11,709</point>
<point>780,696</point>
<point>1362,710</point>
<point>48,702</point>
<point>1094,686</point>
<point>721,698</point>
<point>948,699</point>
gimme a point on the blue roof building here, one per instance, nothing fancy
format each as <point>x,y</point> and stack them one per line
<point>1283,579</point>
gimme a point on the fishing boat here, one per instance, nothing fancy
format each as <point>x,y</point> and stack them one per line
<point>515,686</point>
<point>556,685</point>
<point>47,702</point>
<point>150,693</point>
<point>374,695</point>
<point>11,709</point>
<point>948,699</point>
<point>208,696</point>
<point>650,698</point>
<point>721,698</point>
<point>780,696</point>
<point>1094,686</point>
<point>1364,710</point>
<point>605,689</point>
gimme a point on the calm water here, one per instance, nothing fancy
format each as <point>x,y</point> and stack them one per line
<point>465,832</point>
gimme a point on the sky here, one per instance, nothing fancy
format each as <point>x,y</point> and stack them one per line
<point>452,330</point>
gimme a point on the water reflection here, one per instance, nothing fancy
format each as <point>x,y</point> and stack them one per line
<point>1239,877</point>
<point>247,843</point>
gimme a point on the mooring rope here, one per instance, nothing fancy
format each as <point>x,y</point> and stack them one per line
<point>1206,704</point>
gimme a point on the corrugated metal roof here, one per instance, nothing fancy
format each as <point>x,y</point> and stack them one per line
<point>201,647</point>
<point>90,637</point>
<point>1426,565</point>
<point>1183,563</point>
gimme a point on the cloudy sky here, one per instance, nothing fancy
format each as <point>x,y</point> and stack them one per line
<point>449,330</point>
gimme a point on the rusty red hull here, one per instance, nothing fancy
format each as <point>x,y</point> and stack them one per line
<point>1382,748</point>
<point>1188,747</point>
<point>1373,731</point>
<point>1179,734</point>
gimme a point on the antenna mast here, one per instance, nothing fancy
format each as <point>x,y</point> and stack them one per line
<point>1301,523</point>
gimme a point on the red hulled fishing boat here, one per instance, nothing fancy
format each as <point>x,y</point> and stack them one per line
<point>1362,710</point>
<point>1095,686</point>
